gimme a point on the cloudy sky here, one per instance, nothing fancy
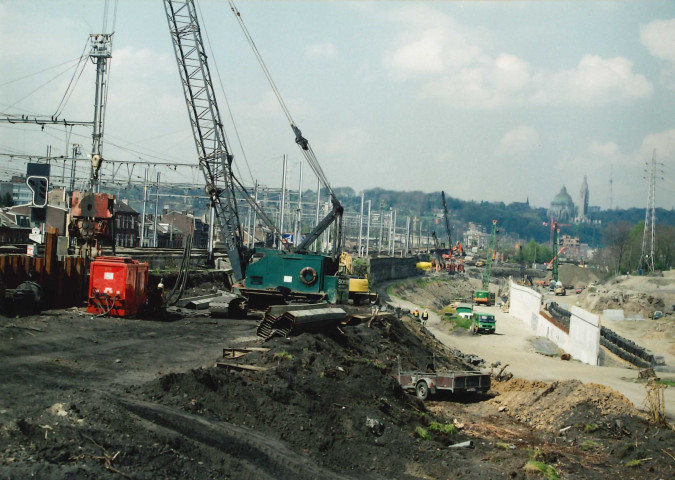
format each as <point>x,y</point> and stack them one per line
<point>497,101</point>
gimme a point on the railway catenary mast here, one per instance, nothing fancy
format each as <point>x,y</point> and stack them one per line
<point>215,160</point>
<point>447,221</point>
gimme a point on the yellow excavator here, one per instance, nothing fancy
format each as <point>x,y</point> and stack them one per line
<point>359,289</point>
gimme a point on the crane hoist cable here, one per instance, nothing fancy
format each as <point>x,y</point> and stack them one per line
<point>333,217</point>
<point>299,139</point>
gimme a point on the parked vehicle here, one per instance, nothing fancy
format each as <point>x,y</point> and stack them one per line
<point>483,323</point>
<point>425,383</point>
<point>464,310</point>
<point>560,288</point>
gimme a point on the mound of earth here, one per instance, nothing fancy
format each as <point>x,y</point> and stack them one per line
<point>98,403</point>
<point>434,292</point>
<point>556,405</point>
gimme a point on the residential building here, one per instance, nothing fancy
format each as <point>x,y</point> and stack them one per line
<point>13,228</point>
<point>476,236</point>
<point>189,224</point>
<point>127,226</point>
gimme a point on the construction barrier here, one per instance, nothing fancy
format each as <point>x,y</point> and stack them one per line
<point>64,282</point>
<point>581,339</point>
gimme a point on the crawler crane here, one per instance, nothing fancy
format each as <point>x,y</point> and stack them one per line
<point>265,276</point>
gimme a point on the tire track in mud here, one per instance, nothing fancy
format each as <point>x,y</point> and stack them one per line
<point>265,455</point>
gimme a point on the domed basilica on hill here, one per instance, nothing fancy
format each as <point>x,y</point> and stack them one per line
<point>562,207</point>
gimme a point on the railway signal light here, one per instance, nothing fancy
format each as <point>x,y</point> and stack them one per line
<point>39,185</point>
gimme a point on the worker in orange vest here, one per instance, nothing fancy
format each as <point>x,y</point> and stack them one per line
<point>416,314</point>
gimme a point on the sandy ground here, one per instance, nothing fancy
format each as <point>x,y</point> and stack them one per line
<point>512,345</point>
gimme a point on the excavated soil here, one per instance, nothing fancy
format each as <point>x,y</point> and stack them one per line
<point>117,398</point>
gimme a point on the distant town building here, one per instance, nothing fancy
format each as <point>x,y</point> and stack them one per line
<point>127,226</point>
<point>562,207</point>
<point>18,190</point>
<point>13,228</point>
<point>571,244</point>
<point>189,224</point>
<point>476,236</point>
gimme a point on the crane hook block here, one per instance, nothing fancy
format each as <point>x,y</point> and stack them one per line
<point>299,139</point>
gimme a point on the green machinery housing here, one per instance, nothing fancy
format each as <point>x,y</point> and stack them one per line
<point>274,275</point>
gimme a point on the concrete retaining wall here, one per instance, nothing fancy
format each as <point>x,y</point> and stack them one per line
<point>383,269</point>
<point>583,340</point>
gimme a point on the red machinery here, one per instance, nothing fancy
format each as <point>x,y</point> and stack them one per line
<point>91,221</point>
<point>117,286</point>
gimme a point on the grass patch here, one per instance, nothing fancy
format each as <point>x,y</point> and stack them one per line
<point>667,383</point>
<point>590,428</point>
<point>444,428</point>
<point>634,463</point>
<point>379,365</point>
<point>590,445</point>
<point>502,446</point>
<point>423,433</point>
<point>283,355</point>
<point>547,471</point>
<point>458,322</point>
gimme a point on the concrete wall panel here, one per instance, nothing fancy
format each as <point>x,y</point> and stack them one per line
<point>584,342</point>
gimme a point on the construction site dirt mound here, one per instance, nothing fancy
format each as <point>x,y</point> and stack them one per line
<point>574,275</point>
<point>435,292</point>
<point>637,296</point>
<point>112,398</point>
<point>553,406</point>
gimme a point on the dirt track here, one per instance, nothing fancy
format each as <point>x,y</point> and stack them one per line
<point>85,397</point>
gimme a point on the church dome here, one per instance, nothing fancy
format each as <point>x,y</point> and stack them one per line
<point>563,198</point>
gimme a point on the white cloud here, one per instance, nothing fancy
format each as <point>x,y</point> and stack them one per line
<point>519,141</point>
<point>594,81</point>
<point>452,63</point>
<point>659,38</point>
<point>423,55</point>
<point>606,150</point>
<point>663,143</point>
<point>320,50</point>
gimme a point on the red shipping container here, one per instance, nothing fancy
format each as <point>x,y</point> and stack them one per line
<point>117,286</point>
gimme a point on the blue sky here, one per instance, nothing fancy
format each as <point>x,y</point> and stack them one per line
<point>497,101</point>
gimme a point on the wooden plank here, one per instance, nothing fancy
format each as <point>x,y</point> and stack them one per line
<point>237,366</point>
<point>240,352</point>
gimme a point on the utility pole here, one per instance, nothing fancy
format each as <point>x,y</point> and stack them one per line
<point>392,232</point>
<point>407,236</point>
<point>298,228</point>
<point>283,201</point>
<point>77,150</point>
<point>361,227</point>
<point>251,234</point>
<point>368,229</point>
<point>145,199</point>
<point>317,244</point>
<point>101,51</point>
<point>154,242</point>
<point>379,240</point>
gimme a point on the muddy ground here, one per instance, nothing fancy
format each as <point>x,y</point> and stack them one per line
<point>87,397</point>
